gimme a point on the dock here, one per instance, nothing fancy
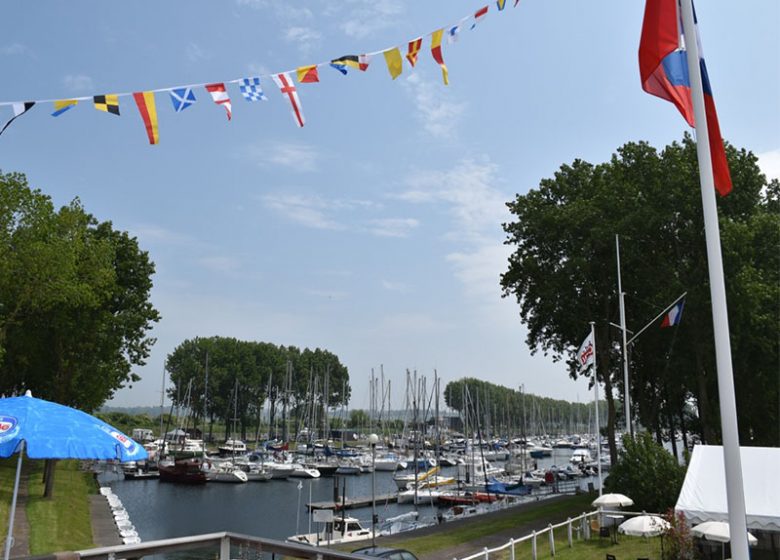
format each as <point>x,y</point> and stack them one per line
<point>351,503</point>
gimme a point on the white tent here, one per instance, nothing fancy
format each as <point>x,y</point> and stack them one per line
<point>703,495</point>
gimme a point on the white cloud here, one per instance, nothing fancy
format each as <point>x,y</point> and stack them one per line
<point>14,49</point>
<point>392,227</point>
<point>391,286</point>
<point>362,18</point>
<point>296,156</point>
<point>311,212</point>
<point>305,38</point>
<point>78,83</point>
<point>439,115</point>
<point>479,270</point>
<point>769,162</point>
<point>196,54</point>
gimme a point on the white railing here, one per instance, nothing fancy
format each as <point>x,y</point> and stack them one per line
<point>584,527</point>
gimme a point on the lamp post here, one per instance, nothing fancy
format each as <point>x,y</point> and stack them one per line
<point>373,439</point>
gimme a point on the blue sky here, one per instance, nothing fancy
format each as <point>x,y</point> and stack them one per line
<point>374,231</point>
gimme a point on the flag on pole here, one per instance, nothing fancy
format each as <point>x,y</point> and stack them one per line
<point>586,355</point>
<point>663,67</point>
<point>182,98</point>
<point>251,89</point>
<point>220,96</point>
<point>19,109</point>
<point>414,47</point>
<point>479,15</point>
<point>307,74</point>
<point>437,56</point>
<point>674,315</point>
<point>148,109</point>
<point>62,105</point>
<point>107,103</point>
<point>287,88</point>
<point>394,62</point>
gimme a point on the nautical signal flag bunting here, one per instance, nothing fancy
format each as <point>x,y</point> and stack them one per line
<point>183,96</point>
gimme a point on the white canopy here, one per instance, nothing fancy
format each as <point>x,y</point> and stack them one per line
<point>703,495</point>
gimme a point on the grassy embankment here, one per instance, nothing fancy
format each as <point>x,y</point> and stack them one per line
<point>61,523</point>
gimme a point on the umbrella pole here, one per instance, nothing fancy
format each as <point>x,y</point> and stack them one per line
<point>12,513</point>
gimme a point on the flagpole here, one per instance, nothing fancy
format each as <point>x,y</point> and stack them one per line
<point>735,494</point>
<point>596,387</point>
<point>627,399</point>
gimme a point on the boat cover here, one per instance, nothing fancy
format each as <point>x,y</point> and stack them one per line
<point>703,495</point>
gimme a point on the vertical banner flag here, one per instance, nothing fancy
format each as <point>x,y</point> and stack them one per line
<point>220,96</point>
<point>148,109</point>
<point>307,74</point>
<point>674,315</point>
<point>62,105</point>
<point>19,109</point>
<point>479,15</point>
<point>251,90</point>
<point>182,98</point>
<point>501,4</point>
<point>394,62</point>
<point>107,103</point>
<point>437,56</point>
<point>586,354</point>
<point>287,88</point>
<point>663,67</point>
<point>414,48</point>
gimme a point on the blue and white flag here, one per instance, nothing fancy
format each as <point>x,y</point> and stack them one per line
<point>182,98</point>
<point>452,34</point>
<point>251,90</point>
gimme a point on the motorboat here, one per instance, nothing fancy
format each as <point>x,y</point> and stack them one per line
<point>185,471</point>
<point>301,471</point>
<point>340,530</point>
<point>232,447</point>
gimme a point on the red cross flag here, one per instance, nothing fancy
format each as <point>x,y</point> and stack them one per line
<point>287,88</point>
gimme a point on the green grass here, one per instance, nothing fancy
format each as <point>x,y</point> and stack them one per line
<point>60,523</point>
<point>627,548</point>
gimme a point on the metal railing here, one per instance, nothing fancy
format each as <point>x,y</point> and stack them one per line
<point>223,542</point>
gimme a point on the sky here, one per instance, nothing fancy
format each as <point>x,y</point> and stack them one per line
<point>375,230</point>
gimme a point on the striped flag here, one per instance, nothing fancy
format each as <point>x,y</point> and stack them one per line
<point>62,105</point>
<point>394,62</point>
<point>674,315</point>
<point>286,87</point>
<point>220,96</point>
<point>144,100</point>
<point>19,109</point>
<point>413,49</point>
<point>437,56</point>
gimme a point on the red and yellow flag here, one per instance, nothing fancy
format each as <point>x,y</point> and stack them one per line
<point>307,74</point>
<point>437,56</point>
<point>146,106</point>
<point>394,62</point>
<point>414,48</point>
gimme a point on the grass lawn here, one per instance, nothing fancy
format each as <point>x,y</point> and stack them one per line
<point>60,523</point>
<point>627,548</point>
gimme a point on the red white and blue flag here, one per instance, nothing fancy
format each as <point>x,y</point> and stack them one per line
<point>674,315</point>
<point>663,67</point>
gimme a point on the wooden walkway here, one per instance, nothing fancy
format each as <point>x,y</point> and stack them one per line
<point>351,503</point>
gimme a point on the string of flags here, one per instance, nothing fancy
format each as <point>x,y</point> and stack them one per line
<point>251,89</point>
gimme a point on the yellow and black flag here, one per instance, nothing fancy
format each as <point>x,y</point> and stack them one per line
<point>350,60</point>
<point>107,103</point>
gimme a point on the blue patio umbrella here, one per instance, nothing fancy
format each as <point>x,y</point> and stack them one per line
<point>47,430</point>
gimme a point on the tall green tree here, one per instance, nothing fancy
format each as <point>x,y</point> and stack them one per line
<point>74,300</point>
<point>563,275</point>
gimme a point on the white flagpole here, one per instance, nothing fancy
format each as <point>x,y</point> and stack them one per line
<point>627,399</point>
<point>735,494</point>
<point>596,387</point>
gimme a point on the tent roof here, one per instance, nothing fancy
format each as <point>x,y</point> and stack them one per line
<point>703,495</point>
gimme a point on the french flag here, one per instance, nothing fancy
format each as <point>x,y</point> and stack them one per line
<point>663,67</point>
<point>674,315</point>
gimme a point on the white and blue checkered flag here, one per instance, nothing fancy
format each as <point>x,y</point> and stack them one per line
<point>251,90</point>
<point>182,98</point>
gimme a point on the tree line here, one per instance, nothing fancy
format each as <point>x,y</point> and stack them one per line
<point>562,273</point>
